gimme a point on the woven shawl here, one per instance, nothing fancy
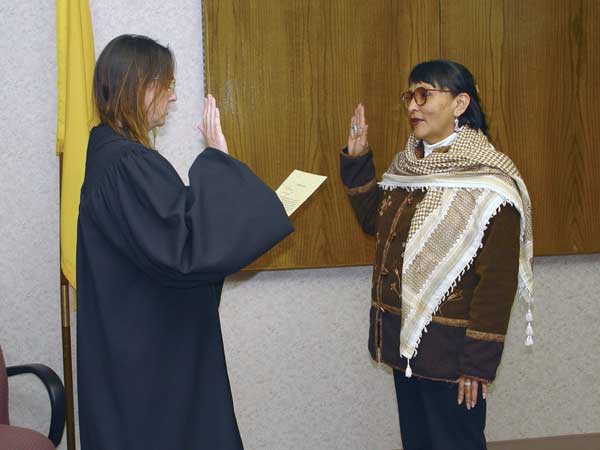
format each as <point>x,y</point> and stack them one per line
<point>466,187</point>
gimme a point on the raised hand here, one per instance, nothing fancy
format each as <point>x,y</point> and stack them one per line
<point>210,126</point>
<point>357,139</point>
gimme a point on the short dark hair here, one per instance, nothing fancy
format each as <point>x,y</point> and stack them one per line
<point>444,74</point>
<point>127,66</point>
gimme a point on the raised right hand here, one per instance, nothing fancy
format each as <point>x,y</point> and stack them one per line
<point>210,126</point>
<point>357,139</point>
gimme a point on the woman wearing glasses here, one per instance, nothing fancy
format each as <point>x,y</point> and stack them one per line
<point>452,221</point>
<point>152,254</point>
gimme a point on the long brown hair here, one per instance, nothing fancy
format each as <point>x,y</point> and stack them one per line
<point>126,68</point>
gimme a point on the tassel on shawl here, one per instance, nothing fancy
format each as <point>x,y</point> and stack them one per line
<point>529,330</point>
<point>408,371</point>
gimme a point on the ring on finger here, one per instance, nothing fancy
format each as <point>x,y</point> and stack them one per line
<point>354,128</point>
<point>467,383</point>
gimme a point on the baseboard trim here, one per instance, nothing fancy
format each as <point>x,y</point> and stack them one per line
<point>589,441</point>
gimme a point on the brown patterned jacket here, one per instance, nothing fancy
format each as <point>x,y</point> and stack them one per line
<point>466,335</point>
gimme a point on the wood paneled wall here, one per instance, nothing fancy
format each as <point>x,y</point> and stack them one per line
<point>538,66</point>
<point>288,74</point>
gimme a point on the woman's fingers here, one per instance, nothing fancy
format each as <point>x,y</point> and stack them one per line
<point>218,121</point>
<point>203,121</point>
<point>357,137</point>
<point>474,392</point>
<point>202,124</point>
<point>484,390</point>
<point>352,130</point>
<point>468,393</point>
<point>363,135</point>
<point>221,143</point>
<point>211,125</point>
<point>461,390</point>
<point>211,115</point>
<point>468,390</point>
<point>356,116</point>
<point>361,115</point>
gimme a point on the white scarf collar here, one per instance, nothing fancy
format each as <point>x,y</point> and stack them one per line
<point>429,148</point>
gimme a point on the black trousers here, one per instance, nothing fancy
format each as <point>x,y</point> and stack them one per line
<point>431,419</point>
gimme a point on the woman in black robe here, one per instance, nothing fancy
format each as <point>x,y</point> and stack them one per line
<point>152,254</point>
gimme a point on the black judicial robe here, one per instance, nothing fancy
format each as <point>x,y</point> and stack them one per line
<point>152,254</point>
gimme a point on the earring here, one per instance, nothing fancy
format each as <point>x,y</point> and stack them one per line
<point>456,127</point>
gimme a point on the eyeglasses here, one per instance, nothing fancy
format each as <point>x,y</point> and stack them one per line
<point>172,85</point>
<point>420,95</point>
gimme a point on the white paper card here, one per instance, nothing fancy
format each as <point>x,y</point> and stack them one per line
<point>297,188</point>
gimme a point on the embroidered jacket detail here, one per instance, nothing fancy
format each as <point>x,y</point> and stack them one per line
<point>462,323</point>
<point>385,204</point>
<point>481,336</point>
<point>362,189</point>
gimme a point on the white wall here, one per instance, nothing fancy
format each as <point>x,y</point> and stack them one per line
<point>296,340</point>
<point>29,274</point>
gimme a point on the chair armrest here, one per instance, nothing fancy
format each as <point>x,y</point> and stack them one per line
<point>56,392</point>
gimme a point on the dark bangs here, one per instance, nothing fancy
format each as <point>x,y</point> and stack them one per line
<point>444,74</point>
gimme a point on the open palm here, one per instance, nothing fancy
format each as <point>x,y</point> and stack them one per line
<point>210,126</point>
<point>357,139</point>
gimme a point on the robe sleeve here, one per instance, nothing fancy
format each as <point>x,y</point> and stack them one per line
<point>224,220</point>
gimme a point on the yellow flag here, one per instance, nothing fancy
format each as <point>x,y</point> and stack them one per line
<point>76,116</point>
